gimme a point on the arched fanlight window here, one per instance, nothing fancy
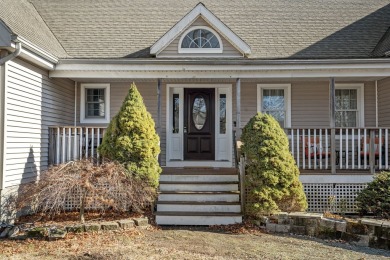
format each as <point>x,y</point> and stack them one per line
<point>200,39</point>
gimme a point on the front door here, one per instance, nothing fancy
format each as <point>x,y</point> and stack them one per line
<point>199,124</point>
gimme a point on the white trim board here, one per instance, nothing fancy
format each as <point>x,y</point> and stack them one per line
<point>336,178</point>
<point>188,19</point>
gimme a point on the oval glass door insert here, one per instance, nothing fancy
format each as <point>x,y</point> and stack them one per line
<point>199,112</point>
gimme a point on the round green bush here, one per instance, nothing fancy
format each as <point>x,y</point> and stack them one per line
<point>272,177</point>
<point>375,199</point>
<point>131,139</point>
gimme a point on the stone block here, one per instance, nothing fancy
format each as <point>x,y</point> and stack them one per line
<point>75,229</point>
<point>363,240</point>
<point>355,227</point>
<point>37,232</point>
<point>282,228</point>
<point>141,221</point>
<point>111,225</point>
<point>329,224</point>
<point>372,222</point>
<point>299,230</point>
<point>305,215</point>
<point>349,237</point>
<point>92,227</point>
<point>57,233</point>
<point>341,226</point>
<point>311,231</point>
<point>126,223</point>
<point>270,227</point>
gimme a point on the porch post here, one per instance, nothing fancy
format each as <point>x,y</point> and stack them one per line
<point>332,119</point>
<point>238,109</point>
<point>372,151</point>
<point>159,113</point>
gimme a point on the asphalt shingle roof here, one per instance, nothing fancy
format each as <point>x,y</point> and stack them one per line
<point>274,29</point>
<point>23,19</point>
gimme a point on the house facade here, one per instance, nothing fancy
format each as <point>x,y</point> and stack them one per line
<point>204,69</point>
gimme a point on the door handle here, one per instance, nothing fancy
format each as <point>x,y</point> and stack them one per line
<point>185,130</point>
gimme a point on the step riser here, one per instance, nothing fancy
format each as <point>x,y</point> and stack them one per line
<point>199,178</point>
<point>199,208</point>
<point>197,220</point>
<point>198,187</point>
<point>199,197</point>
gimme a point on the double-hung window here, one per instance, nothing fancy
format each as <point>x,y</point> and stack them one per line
<point>94,105</point>
<point>349,106</point>
<point>274,99</point>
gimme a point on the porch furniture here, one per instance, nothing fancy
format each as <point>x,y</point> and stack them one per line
<point>314,149</point>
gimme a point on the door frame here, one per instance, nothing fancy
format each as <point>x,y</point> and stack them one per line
<point>223,143</point>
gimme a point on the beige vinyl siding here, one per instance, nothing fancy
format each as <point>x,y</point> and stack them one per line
<point>384,102</point>
<point>172,49</point>
<point>33,102</point>
<point>248,101</point>
<point>310,104</point>
<point>369,104</point>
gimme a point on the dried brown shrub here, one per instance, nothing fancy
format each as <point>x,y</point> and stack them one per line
<point>82,185</point>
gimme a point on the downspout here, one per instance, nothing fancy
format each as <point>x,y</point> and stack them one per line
<point>376,103</point>
<point>16,53</point>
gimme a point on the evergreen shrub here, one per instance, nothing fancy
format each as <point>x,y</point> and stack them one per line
<point>131,139</point>
<point>272,177</point>
<point>375,199</point>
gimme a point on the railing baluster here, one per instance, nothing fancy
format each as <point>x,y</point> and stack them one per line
<point>353,148</point>
<point>69,143</point>
<point>58,146</point>
<point>63,145</point>
<point>86,142</point>
<point>303,149</point>
<point>365,148</point>
<point>309,148</point>
<point>81,143</point>
<point>321,149</point>
<point>92,142</point>
<point>387,148</point>
<point>98,144</point>
<point>359,150</point>
<point>380,148</point>
<point>326,148</point>
<point>341,149</point>
<point>298,148</point>
<point>346,148</point>
<point>315,148</point>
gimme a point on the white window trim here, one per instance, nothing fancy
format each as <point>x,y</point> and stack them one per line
<point>106,118</point>
<point>360,98</point>
<point>287,97</point>
<point>200,50</point>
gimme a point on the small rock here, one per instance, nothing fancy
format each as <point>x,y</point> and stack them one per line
<point>363,240</point>
<point>92,227</point>
<point>141,221</point>
<point>57,233</point>
<point>109,225</point>
<point>5,232</point>
<point>126,223</point>
<point>13,232</point>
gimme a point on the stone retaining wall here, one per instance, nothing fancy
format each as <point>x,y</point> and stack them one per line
<point>361,232</point>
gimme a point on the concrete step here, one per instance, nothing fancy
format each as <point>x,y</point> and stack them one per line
<point>197,218</point>
<point>188,206</point>
<point>199,196</point>
<point>198,186</point>
<point>198,178</point>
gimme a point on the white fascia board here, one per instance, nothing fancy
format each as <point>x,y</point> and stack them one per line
<point>203,73</point>
<point>34,48</point>
<point>188,19</point>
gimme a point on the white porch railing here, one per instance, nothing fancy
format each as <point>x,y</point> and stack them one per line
<point>67,143</point>
<point>340,148</point>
